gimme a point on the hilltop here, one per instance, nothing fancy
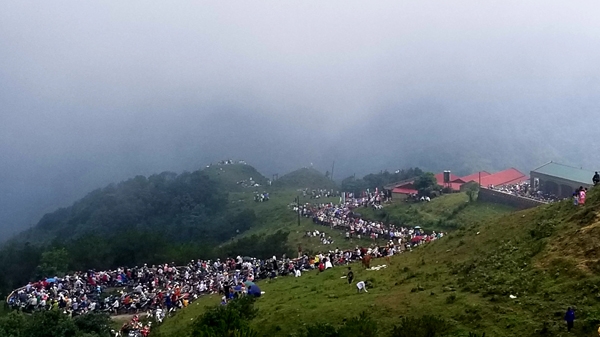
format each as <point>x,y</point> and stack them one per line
<point>303,178</point>
<point>510,274</point>
<point>236,176</point>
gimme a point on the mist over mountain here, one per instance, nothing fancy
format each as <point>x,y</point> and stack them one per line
<point>98,93</point>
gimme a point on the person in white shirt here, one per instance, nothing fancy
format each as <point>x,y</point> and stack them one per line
<point>361,286</point>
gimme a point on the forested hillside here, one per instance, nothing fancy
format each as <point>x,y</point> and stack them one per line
<point>178,205</point>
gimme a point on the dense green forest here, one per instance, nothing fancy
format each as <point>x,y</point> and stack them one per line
<point>180,206</point>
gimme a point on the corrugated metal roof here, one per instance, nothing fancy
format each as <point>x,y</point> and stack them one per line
<point>566,172</point>
<point>475,176</point>
<point>404,190</point>
<point>509,176</point>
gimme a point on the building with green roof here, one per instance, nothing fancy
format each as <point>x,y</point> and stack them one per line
<point>559,179</point>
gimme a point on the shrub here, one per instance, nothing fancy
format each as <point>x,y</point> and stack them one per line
<point>320,330</point>
<point>229,320</point>
<point>425,326</point>
<point>361,325</point>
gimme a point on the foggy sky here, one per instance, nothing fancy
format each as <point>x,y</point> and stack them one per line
<point>93,93</point>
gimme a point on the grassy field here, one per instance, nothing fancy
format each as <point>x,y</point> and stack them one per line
<point>506,275</point>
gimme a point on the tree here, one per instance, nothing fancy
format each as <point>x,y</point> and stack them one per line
<point>50,323</point>
<point>354,185</point>
<point>230,320</point>
<point>426,183</point>
<point>472,189</point>
<point>93,323</point>
<point>54,262</point>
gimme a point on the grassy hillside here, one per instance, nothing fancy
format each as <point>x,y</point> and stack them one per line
<point>445,213</point>
<point>277,215</point>
<point>546,257</point>
<point>305,178</point>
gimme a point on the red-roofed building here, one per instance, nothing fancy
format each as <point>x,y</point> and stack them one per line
<point>509,176</point>
<point>407,188</point>
<point>406,191</point>
<point>506,177</point>
<point>455,181</point>
<point>475,176</point>
<point>440,178</point>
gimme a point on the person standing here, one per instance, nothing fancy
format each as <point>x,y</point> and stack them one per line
<point>582,196</point>
<point>570,318</point>
<point>350,275</point>
<point>596,179</point>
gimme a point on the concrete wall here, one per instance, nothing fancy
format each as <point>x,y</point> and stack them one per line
<point>498,197</point>
<point>399,196</point>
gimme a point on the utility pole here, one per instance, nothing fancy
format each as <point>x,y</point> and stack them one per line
<point>332,167</point>
<point>298,203</point>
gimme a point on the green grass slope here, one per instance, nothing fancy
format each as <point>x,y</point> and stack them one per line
<point>305,178</point>
<point>276,215</point>
<point>445,213</point>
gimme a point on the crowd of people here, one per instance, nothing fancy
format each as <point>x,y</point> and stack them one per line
<point>157,290</point>
<point>323,237</point>
<point>344,217</point>
<point>525,190</point>
<point>261,197</point>
<point>319,193</point>
<point>367,198</point>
